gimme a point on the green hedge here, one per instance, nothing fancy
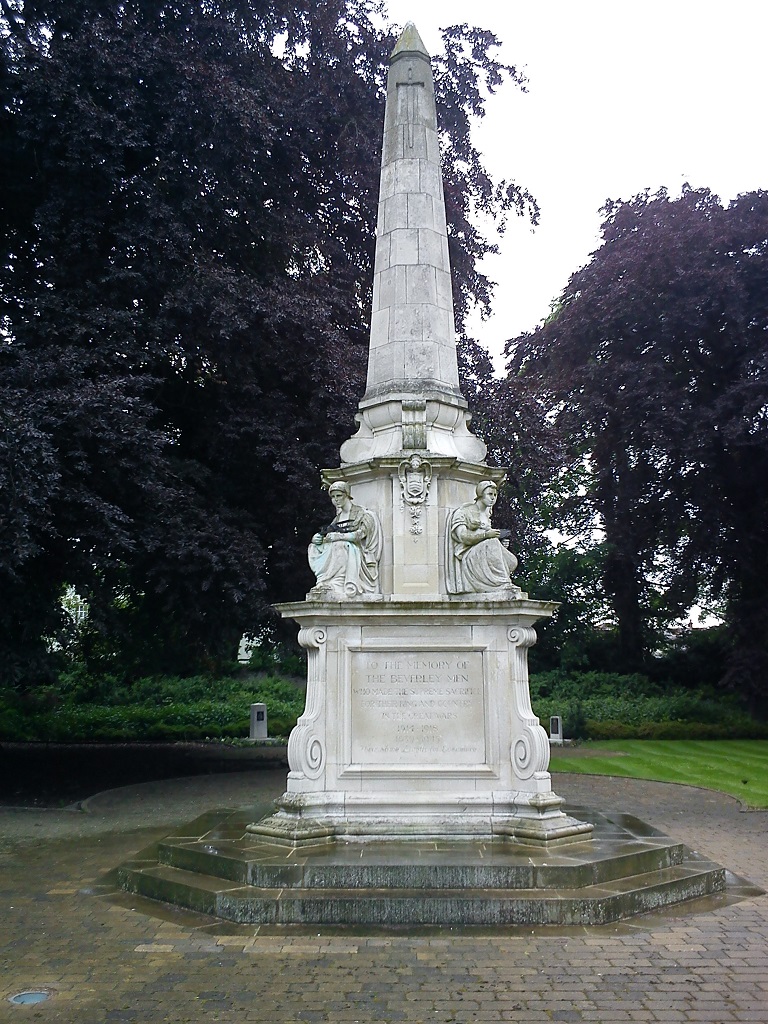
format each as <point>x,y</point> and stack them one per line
<point>593,706</point>
<point>735,729</point>
<point>143,722</point>
<point>158,708</point>
<point>603,705</point>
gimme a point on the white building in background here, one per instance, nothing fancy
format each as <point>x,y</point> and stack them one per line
<point>75,606</point>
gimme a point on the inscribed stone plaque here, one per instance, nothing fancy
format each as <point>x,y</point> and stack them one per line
<point>418,708</point>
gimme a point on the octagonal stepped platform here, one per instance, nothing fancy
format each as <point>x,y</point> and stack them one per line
<point>628,868</point>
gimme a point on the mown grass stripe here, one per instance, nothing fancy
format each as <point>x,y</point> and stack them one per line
<point>736,767</point>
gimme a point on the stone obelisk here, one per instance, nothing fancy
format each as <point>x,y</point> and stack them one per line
<point>418,719</point>
<point>412,398</point>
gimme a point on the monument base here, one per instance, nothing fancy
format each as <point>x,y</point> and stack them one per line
<point>418,724</point>
<point>627,868</point>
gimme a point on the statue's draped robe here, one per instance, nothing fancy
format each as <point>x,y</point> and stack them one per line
<point>475,568</point>
<point>350,567</point>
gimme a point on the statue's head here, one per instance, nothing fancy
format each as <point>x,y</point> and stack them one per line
<point>486,485</point>
<point>339,492</point>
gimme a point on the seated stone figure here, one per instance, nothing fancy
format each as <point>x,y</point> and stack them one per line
<point>477,559</point>
<point>345,555</point>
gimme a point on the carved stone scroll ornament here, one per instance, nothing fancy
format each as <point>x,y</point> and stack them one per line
<point>477,559</point>
<point>306,744</point>
<point>530,751</point>
<point>345,555</point>
<point>530,744</point>
<point>415,476</point>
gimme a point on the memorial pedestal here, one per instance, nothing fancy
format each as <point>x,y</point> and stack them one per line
<point>418,723</point>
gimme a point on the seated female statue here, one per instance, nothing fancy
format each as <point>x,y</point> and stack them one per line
<point>345,555</point>
<point>477,559</point>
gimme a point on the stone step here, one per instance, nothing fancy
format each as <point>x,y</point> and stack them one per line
<point>498,865</point>
<point>592,904</point>
<point>211,865</point>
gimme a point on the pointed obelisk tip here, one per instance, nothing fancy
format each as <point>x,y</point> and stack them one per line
<point>409,42</point>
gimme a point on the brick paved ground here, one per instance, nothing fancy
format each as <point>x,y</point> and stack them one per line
<point>107,961</point>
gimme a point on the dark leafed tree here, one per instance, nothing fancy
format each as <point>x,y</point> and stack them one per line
<point>656,365</point>
<point>188,212</point>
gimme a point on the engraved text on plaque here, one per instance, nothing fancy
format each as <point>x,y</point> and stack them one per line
<point>418,707</point>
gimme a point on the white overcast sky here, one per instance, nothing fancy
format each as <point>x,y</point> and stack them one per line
<point>622,95</point>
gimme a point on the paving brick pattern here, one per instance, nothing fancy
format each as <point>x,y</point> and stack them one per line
<point>104,958</point>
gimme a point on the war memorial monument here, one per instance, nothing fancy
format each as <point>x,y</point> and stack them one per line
<point>418,718</point>
<point>418,789</point>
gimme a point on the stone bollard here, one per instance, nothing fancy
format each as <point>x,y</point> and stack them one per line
<point>556,730</point>
<point>258,722</point>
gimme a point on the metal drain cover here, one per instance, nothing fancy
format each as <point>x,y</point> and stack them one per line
<point>29,997</point>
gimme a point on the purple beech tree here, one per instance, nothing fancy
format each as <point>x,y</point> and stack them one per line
<point>189,198</point>
<point>655,364</point>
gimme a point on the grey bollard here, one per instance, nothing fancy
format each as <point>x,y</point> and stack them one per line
<point>556,729</point>
<point>258,722</point>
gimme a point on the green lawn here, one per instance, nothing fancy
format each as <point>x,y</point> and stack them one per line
<point>738,767</point>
